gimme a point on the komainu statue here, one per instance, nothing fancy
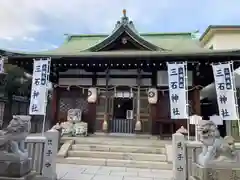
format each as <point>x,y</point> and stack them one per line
<point>215,149</point>
<point>12,146</point>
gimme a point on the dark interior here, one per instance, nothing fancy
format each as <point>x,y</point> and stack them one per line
<point>121,105</point>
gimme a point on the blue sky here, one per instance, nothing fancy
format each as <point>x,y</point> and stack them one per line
<point>36,25</point>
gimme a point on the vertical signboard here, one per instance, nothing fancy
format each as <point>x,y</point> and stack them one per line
<point>178,90</point>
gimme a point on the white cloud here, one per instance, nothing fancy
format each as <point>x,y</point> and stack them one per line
<point>26,19</point>
<point>54,46</point>
<point>29,39</point>
<point>8,38</point>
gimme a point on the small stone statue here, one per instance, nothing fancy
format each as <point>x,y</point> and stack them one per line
<point>13,155</point>
<point>12,138</point>
<point>215,148</point>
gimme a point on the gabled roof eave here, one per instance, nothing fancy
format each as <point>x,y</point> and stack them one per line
<point>118,32</point>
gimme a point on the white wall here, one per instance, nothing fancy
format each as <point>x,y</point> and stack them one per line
<point>224,41</point>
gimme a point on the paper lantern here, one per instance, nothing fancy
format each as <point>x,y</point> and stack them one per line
<point>92,95</point>
<point>152,96</point>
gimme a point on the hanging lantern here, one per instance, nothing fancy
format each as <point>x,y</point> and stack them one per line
<point>152,96</point>
<point>92,95</point>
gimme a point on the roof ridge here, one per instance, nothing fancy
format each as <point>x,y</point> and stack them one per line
<point>141,34</point>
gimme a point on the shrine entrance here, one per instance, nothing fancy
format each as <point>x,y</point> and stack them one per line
<point>123,120</point>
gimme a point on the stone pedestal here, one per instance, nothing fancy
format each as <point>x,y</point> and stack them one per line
<point>215,172</point>
<point>15,169</point>
<point>29,176</point>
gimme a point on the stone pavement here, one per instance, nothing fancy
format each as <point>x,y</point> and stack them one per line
<point>85,172</point>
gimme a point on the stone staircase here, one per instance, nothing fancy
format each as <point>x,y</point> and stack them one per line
<point>130,151</point>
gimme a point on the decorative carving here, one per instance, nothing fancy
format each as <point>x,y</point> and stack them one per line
<point>74,126</point>
<point>12,139</point>
<point>67,128</point>
<point>80,129</point>
<point>215,149</point>
<point>74,115</point>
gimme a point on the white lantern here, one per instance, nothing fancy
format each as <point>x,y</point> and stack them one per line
<point>92,95</point>
<point>152,96</point>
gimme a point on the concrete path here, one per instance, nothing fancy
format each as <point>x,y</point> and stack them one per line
<point>84,172</point>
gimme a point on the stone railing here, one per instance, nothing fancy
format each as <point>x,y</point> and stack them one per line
<point>184,156</point>
<point>43,152</point>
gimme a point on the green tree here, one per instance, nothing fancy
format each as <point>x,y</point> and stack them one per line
<point>15,82</point>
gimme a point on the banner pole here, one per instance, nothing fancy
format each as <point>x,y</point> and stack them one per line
<point>46,97</point>
<point>235,96</point>
<point>187,102</point>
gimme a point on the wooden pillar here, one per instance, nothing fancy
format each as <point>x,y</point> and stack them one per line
<point>195,95</point>
<point>92,107</point>
<point>54,106</point>
<point>106,123</point>
<point>153,107</point>
<point>138,125</point>
<point>55,98</point>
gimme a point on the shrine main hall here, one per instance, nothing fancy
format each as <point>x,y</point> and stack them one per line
<point>121,79</point>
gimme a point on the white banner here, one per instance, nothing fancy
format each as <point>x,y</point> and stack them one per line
<point>41,71</point>
<point>1,65</point>
<point>225,90</point>
<point>177,90</point>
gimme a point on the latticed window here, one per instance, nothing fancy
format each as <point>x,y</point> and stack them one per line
<point>82,104</point>
<point>65,104</point>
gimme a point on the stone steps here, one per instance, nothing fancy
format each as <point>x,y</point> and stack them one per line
<point>130,140</point>
<point>118,155</point>
<point>116,163</point>
<point>119,148</point>
<point>128,151</point>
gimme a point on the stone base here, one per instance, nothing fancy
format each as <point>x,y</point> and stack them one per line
<point>29,176</point>
<point>15,169</point>
<point>138,132</point>
<point>215,173</point>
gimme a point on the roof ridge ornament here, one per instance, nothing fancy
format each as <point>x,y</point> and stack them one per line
<point>125,19</point>
<point>124,12</point>
<point>125,22</point>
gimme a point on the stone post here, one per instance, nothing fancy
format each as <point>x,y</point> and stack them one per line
<point>50,154</point>
<point>179,157</point>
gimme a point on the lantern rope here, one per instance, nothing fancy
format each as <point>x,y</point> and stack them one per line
<point>68,87</point>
